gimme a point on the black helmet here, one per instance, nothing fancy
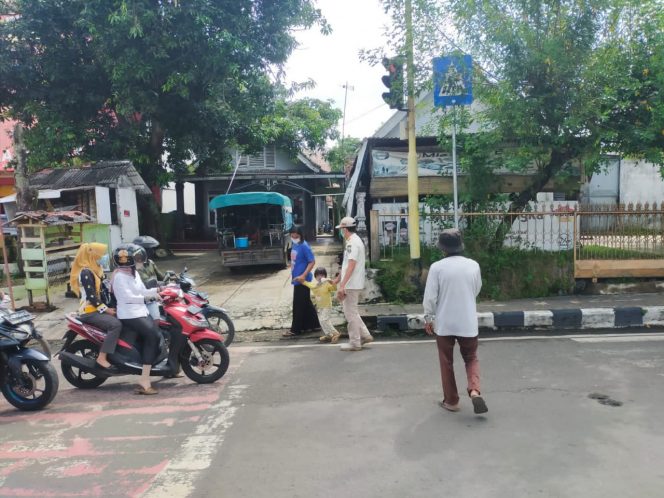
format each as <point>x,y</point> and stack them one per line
<point>141,255</point>
<point>123,255</point>
<point>146,242</point>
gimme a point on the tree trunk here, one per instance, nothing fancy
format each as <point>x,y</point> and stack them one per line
<point>555,164</point>
<point>148,206</point>
<point>179,212</point>
<point>26,196</point>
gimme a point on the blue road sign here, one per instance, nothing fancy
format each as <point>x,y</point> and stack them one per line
<point>452,80</point>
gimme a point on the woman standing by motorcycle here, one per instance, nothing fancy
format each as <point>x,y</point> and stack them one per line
<point>131,294</point>
<point>86,280</point>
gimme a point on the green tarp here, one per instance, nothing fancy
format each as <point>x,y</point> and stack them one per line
<point>248,198</point>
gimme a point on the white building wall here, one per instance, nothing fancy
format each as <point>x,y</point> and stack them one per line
<point>127,214</point>
<point>103,204</point>
<point>169,202</point>
<point>116,235</point>
<point>640,181</point>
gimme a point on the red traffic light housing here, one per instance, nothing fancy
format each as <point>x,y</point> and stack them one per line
<point>394,81</point>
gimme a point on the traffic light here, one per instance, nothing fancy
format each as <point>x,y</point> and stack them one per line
<point>394,81</point>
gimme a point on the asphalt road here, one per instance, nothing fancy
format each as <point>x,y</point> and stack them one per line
<point>311,421</point>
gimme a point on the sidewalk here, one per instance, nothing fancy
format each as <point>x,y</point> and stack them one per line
<point>260,306</point>
<point>257,303</point>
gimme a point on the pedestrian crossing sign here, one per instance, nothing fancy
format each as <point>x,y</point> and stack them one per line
<point>452,80</point>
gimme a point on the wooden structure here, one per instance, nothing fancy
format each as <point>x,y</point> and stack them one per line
<point>397,186</point>
<point>619,240</point>
<point>48,242</point>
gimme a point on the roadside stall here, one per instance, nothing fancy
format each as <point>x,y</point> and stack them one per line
<point>48,244</point>
<point>252,228</point>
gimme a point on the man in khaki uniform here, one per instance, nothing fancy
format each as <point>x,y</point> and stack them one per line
<point>350,284</point>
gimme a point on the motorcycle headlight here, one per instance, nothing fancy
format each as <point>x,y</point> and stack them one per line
<point>194,322</point>
<point>22,332</point>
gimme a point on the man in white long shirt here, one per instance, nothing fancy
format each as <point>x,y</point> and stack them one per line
<point>450,311</point>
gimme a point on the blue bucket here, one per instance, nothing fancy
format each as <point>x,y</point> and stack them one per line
<point>241,242</point>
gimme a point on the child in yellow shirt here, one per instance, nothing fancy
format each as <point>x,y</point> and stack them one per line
<point>322,289</point>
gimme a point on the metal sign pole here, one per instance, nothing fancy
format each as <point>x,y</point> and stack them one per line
<point>454,169</point>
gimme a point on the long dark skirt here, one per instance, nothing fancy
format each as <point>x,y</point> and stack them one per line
<point>145,328</point>
<point>109,323</point>
<point>304,312</point>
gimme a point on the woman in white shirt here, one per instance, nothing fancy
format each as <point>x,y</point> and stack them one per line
<point>130,294</point>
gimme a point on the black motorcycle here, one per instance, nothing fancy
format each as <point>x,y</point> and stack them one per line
<point>27,377</point>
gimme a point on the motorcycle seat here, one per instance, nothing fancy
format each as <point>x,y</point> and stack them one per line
<point>72,317</point>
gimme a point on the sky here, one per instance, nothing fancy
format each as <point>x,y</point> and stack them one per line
<point>333,60</point>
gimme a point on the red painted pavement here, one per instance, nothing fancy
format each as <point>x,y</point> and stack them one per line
<point>105,442</point>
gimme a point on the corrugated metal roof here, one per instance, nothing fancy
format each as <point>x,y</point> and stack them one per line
<point>52,217</point>
<point>112,174</point>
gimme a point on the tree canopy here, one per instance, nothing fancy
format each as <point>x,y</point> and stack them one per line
<point>558,90</point>
<point>340,153</point>
<point>155,81</point>
<point>559,82</point>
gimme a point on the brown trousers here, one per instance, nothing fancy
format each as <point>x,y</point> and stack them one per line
<point>468,347</point>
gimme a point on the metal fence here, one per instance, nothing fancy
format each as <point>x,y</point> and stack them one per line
<point>633,231</point>
<point>545,227</point>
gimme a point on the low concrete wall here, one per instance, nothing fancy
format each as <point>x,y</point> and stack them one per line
<point>571,319</point>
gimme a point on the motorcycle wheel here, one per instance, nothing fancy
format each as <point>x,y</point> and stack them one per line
<point>36,387</point>
<point>222,324</point>
<point>74,375</point>
<point>214,363</point>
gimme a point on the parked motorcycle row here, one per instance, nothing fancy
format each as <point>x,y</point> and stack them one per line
<point>194,338</point>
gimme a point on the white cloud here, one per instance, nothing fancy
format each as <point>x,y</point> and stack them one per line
<point>334,59</point>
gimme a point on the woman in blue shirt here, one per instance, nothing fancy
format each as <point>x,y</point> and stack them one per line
<point>305,317</point>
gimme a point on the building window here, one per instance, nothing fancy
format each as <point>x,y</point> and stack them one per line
<point>113,199</point>
<point>262,160</point>
<point>212,213</point>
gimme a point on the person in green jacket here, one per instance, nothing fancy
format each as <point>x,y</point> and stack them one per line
<point>148,270</point>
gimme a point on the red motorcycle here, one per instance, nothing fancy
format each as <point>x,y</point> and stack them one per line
<point>186,339</point>
<point>218,317</point>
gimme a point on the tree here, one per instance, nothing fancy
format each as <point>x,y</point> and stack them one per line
<point>154,82</point>
<point>630,67</point>
<point>301,124</point>
<point>560,81</point>
<point>26,197</point>
<point>343,151</point>
<point>561,89</point>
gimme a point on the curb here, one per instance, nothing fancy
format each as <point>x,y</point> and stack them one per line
<point>575,318</point>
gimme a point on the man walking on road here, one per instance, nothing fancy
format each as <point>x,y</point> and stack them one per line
<point>351,283</point>
<point>450,312</point>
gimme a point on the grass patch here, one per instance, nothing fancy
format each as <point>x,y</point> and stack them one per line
<point>603,252</point>
<point>506,274</point>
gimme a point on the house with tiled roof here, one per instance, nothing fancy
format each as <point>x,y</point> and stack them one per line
<point>306,179</point>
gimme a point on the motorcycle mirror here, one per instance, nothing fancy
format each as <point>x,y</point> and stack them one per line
<point>185,270</point>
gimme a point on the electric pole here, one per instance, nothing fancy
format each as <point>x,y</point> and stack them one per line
<point>343,122</point>
<point>413,187</point>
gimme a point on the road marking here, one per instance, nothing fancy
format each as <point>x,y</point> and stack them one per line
<point>639,338</point>
<point>178,478</point>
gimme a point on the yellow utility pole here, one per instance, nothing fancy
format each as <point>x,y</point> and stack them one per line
<point>413,188</point>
